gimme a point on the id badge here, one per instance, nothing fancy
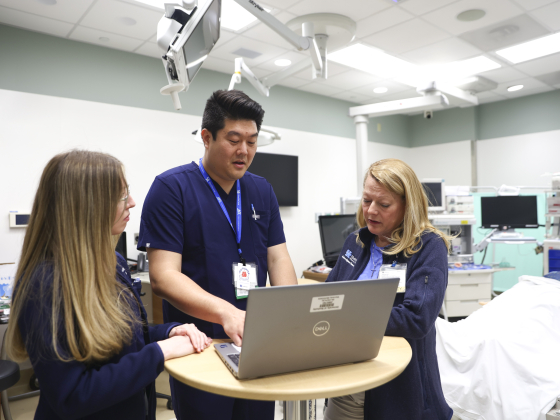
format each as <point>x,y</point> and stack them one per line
<point>387,271</point>
<point>244,279</point>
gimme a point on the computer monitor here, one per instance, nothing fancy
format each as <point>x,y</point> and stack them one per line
<point>435,191</point>
<point>187,40</point>
<point>509,212</point>
<point>334,230</point>
<point>121,245</point>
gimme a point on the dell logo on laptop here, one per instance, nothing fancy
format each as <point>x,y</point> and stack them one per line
<point>321,328</point>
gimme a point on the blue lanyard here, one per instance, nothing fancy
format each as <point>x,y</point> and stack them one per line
<point>237,229</point>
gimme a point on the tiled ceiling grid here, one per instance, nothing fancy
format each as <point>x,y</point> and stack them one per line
<point>419,31</point>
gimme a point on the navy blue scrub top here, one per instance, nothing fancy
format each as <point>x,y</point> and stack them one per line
<point>182,215</point>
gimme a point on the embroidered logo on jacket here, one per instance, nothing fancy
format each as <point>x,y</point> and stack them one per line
<point>349,258</point>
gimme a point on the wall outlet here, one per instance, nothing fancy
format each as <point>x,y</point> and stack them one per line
<point>136,237</point>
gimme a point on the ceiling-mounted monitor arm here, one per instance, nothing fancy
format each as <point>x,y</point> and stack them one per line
<point>305,42</point>
<point>242,69</point>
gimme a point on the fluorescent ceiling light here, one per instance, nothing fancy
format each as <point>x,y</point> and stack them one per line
<point>283,62</point>
<point>533,49</point>
<point>371,60</point>
<point>234,17</point>
<point>514,88</point>
<point>452,73</point>
<point>380,89</point>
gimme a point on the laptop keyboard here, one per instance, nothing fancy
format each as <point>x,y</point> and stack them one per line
<point>234,357</point>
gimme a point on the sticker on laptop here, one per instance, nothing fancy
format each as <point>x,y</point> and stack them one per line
<point>326,303</point>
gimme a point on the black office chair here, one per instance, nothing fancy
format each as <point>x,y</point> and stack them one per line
<point>9,375</point>
<point>167,397</point>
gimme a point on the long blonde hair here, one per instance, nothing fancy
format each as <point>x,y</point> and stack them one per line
<point>399,178</point>
<point>70,231</point>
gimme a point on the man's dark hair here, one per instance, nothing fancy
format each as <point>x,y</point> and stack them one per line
<point>231,104</point>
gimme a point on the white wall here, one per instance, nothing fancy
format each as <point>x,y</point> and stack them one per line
<point>35,127</point>
<point>519,160</point>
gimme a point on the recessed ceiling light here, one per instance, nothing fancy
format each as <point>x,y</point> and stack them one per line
<point>127,21</point>
<point>380,89</point>
<point>371,60</point>
<point>104,39</point>
<point>234,17</point>
<point>533,49</point>
<point>514,88</point>
<point>471,15</point>
<point>47,2</point>
<point>283,62</point>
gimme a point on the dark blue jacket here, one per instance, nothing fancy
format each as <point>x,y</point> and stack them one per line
<point>416,393</point>
<point>115,389</point>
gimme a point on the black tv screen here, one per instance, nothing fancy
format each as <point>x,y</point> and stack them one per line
<point>505,212</point>
<point>282,173</point>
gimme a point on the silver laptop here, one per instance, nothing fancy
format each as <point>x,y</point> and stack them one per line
<point>291,328</point>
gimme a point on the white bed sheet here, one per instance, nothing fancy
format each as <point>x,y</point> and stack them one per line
<point>503,361</point>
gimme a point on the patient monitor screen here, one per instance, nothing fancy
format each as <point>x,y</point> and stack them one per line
<point>202,39</point>
<point>509,212</point>
<point>434,193</point>
<point>334,230</point>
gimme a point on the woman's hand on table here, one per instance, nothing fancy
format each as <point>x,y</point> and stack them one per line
<point>198,339</point>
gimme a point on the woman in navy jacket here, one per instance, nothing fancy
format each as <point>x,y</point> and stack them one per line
<point>76,312</point>
<point>395,229</point>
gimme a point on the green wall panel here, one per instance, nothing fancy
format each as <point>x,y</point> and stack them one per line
<point>450,125</point>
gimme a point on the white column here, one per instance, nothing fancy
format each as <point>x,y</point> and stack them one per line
<point>361,122</point>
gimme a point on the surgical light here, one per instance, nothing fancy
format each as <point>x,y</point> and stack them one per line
<point>235,17</point>
<point>533,49</point>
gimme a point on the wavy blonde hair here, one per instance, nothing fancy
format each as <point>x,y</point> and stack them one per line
<point>70,230</point>
<point>399,178</point>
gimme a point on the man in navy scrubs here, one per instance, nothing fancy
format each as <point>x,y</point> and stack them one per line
<point>208,226</point>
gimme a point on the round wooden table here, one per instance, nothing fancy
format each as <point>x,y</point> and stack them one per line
<point>206,371</point>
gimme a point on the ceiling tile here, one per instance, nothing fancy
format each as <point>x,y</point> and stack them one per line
<point>549,15</point>
<point>320,89</point>
<point>540,66</point>
<point>225,36</point>
<point>281,4</point>
<point>348,80</point>
<point>496,11</point>
<point>65,10</point>
<point>34,23</point>
<point>293,82</point>
<point>504,74</point>
<point>446,51</point>
<point>552,79</point>
<point>354,9</point>
<point>262,32</point>
<point>351,96</point>
<point>217,64</point>
<point>105,15</point>
<point>533,4</point>
<point>420,7</point>
<point>150,49</point>
<point>505,33</point>
<point>406,37</point>
<point>392,88</point>
<point>382,20</point>
<point>267,51</point>
<point>92,36</point>
<point>529,84</point>
<point>294,56</point>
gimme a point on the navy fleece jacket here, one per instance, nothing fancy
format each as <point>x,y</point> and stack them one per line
<point>416,393</point>
<point>115,389</point>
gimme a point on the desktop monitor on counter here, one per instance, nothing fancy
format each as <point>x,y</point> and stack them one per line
<point>509,212</point>
<point>334,230</point>
<point>281,171</point>
<point>435,191</point>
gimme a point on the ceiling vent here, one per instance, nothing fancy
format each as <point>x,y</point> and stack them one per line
<point>477,84</point>
<point>244,52</point>
<point>504,34</point>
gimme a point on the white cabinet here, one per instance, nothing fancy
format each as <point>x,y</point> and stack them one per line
<point>465,290</point>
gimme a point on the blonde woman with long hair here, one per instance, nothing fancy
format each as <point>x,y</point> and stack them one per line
<point>396,239</point>
<point>76,312</point>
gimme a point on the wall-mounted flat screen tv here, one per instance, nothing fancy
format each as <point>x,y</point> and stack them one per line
<point>282,173</point>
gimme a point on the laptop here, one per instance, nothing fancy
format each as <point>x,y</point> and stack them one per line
<point>292,328</point>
